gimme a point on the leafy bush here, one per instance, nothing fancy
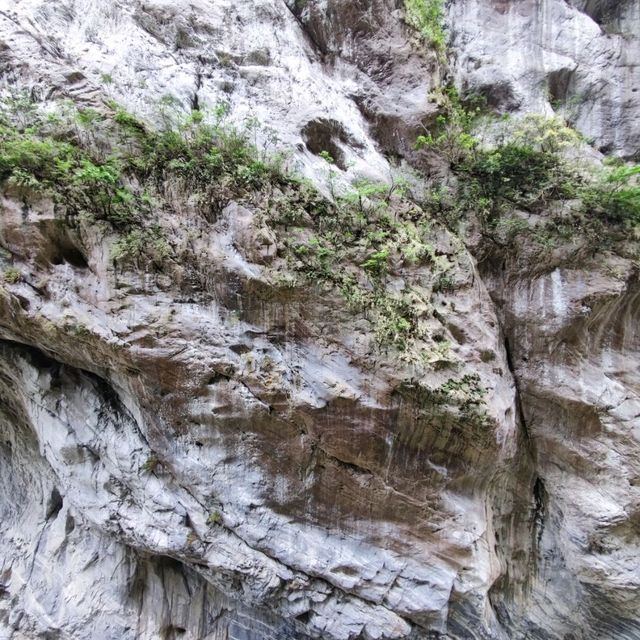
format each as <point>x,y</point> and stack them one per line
<point>200,153</point>
<point>615,196</point>
<point>12,275</point>
<point>138,243</point>
<point>110,163</point>
<point>543,133</point>
<point>36,160</point>
<point>468,393</point>
<point>520,175</point>
<point>367,194</point>
<point>427,17</point>
<point>525,169</point>
<point>376,263</point>
<point>452,133</point>
<point>44,162</point>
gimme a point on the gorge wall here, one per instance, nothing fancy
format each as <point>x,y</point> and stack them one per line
<point>192,448</point>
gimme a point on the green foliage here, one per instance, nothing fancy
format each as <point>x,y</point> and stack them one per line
<point>520,176</point>
<point>37,161</point>
<point>487,355</point>
<point>77,330</point>
<point>215,518</point>
<point>327,157</point>
<point>150,464</point>
<point>356,241</point>
<point>129,127</point>
<point>427,17</point>
<point>113,168</point>
<point>376,263</point>
<point>444,283</point>
<point>204,152</point>
<point>28,159</point>
<point>396,322</point>
<point>541,133</point>
<point>20,110</point>
<point>525,170</point>
<point>89,117</point>
<point>615,196</point>
<point>451,135</point>
<point>12,275</point>
<point>367,194</point>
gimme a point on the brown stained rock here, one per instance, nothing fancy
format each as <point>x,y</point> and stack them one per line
<point>203,447</point>
<point>251,401</point>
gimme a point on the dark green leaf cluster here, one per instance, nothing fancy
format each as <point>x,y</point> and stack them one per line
<point>616,197</point>
<point>518,176</point>
<point>111,166</point>
<point>37,159</point>
<point>198,152</point>
<point>528,173</point>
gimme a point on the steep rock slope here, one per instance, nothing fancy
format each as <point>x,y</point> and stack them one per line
<point>202,452</point>
<point>579,58</point>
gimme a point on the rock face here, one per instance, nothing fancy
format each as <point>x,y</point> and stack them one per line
<point>199,453</point>
<point>579,58</point>
<point>572,337</point>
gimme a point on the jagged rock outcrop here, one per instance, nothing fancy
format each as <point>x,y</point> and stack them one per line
<point>200,452</point>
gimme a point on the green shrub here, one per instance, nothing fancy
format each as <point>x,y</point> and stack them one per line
<point>44,161</point>
<point>109,165</point>
<point>487,355</point>
<point>615,196</point>
<point>543,133</point>
<point>427,17</point>
<point>376,264</point>
<point>327,157</point>
<point>150,464</point>
<point>367,194</point>
<point>451,135</point>
<point>12,275</point>
<point>521,175</point>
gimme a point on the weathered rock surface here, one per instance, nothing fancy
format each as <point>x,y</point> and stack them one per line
<point>573,342</point>
<point>338,500</point>
<point>198,454</point>
<point>579,58</point>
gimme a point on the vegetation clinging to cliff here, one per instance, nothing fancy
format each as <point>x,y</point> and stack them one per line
<point>427,17</point>
<point>523,169</point>
<point>112,169</point>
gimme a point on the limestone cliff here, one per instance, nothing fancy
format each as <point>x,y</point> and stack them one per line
<point>268,407</point>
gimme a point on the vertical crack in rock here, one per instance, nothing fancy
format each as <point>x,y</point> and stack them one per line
<point>540,507</point>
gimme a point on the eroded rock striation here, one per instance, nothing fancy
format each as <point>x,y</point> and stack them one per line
<point>267,429</point>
